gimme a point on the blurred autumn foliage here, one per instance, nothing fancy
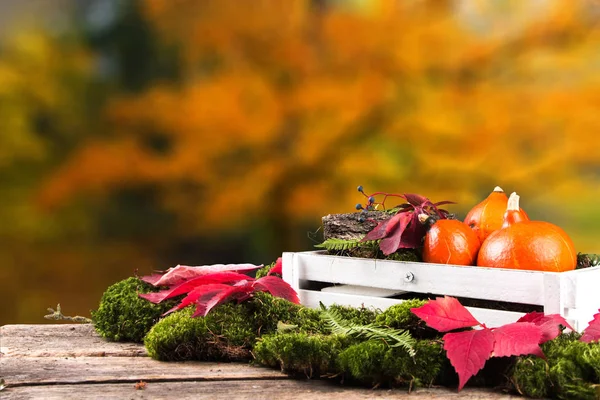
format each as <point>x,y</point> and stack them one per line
<point>188,131</point>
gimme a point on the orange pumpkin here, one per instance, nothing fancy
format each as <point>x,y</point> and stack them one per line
<point>524,244</point>
<point>487,216</point>
<point>450,241</point>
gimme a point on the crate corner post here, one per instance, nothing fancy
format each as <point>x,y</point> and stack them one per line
<point>290,270</point>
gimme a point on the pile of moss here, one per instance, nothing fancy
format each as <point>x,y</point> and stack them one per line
<point>571,370</point>
<point>360,359</point>
<point>279,334</point>
<point>228,332</point>
<point>125,317</point>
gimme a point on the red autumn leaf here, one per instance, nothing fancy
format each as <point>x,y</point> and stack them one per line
<point>277,287</point>
<point>415,199</point>
<point>199,291</point>
<point>517,339</point>
<point>592,332</point>
<point>393,241</point>
<point>445,314</point>
<point>468,351</point>
<point>220,277</point>
<point>212,285</point>
<point>277,268</point>
<point>212,298</point>
<point>414,233</point>
<point>550,324</point>
<point>182,273</point>
<point>383,228</point>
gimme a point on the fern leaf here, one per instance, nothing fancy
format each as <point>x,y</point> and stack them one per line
<point>334,244</point>
<point>399,337</point>
<point>393,337</point>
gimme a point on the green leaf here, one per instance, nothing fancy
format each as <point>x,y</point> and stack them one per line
<point>393,337</point>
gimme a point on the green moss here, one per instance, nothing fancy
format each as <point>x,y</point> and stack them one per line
<point>569,372</point>
<point>123,316</point>
<point>405,255</point>
<point>300,352</point>
<point>268,310</point>
<point>229,331</point>
<point>530,377</point>
<point>422,370</point>
<point>363,362</point>
<point>374,363</point>
<point>264,270</point>
<point>399,316</point>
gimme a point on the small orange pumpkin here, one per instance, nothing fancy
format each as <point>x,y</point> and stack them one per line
<point>488,216</point>
<point>450,241</point>
<point>530,245</point>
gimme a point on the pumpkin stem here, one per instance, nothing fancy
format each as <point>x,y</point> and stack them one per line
<point>498,189</point>
<point>513,202</point>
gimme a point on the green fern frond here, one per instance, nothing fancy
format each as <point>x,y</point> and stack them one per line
<point>334,244</point>
<point>393,337</point>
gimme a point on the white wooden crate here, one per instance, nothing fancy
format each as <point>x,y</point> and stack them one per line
<point>359,281</point>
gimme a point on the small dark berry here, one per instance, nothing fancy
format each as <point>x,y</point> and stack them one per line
<point>360,189</point>
<point>359,206</point>
<point>372,199</point>
<point>361,218</point>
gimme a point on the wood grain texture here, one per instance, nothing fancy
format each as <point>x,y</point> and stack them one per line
<point>62,370</point>
<point>347,226</point>
<point>71,361</point>
<point>245,390</point>
<point>62,340</point>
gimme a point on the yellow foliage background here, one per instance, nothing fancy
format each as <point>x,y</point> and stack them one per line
<point>221,131</point>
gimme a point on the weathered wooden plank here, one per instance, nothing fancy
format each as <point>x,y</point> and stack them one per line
<point>243,390</point>
<point>63,370</point>
<point>61,340</point>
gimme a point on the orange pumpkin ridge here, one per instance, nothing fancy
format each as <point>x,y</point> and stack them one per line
<point>525,244</point>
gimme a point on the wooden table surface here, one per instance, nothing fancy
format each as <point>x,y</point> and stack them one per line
<point>65,361</point>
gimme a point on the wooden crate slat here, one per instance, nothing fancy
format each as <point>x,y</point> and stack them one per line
<point>475,282</point>
<point>572,294</point>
